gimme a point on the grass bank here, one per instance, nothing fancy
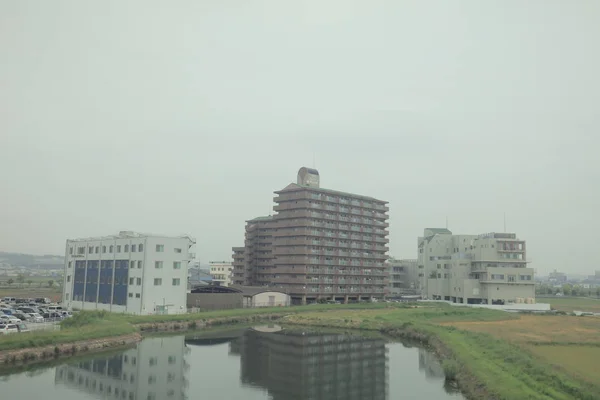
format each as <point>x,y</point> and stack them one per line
<point>91,325</point>
<point>484,365</point>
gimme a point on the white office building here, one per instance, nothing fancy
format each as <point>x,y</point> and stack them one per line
<point>490,268</point>
<point>221,272</point>
<point>129,273</point>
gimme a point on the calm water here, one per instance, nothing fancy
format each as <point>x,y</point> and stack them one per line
<point>245,364</point>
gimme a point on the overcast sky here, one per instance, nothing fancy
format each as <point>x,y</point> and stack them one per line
<point>184,116</point>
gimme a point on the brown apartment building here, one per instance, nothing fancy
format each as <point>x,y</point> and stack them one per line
<point>320,243</point>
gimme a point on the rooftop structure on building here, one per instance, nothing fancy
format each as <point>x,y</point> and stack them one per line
<point>320,243</point>
<point>489,268</point>
<point>130,273</point>
<point>221,272</point>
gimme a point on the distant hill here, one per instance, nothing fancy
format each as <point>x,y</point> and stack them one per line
<point>31,260</point>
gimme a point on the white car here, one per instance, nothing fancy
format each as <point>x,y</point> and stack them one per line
<point>35,317</point>
<point>6,329</point>
<point>8,319</point>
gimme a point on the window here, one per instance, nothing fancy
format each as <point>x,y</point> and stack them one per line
<point>160,248</point>
<point>70,250</point>
<point>172,359</point>
<point>131,282</point>
<point>131,264</point>
<point>138,281</point>
<point>111,249</point>
<point>67,296</point>
<point>126,248</point>
<point>130,294</point>
<point>140,247</point>
<point>151,379</point>
<point>177,250</point>
<point>157,281</point>
<point>158,264</point>
<point>133,248</point>
<point>153,361</point>
<point>498,277</point>
<point>176,281</point>
<point>118,248</point>
<point>176,264</point>
<point>512,278</point>
<point>525,277</point>
<point>139,264</point>
<point>137,295</point>
<point>104,249</point>
<point>68,278</point>
<point>81,250</point>
<point>70,264</point>
<point>97,249</point>
<point>90,250</point>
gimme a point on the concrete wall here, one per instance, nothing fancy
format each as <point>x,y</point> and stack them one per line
<point>214,301</point>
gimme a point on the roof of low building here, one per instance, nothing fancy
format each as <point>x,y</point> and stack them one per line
<point>254,290</point>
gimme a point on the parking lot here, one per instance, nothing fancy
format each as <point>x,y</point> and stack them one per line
<point>43,326</point>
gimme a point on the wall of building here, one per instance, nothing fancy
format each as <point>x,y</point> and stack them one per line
<point>214,301</point>
<point>267,299</point>
<point>127,273</point>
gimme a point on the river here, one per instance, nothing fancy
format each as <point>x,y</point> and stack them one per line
<point>246,364</point>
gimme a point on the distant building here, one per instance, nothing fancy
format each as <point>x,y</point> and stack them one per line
<point>321,244</point>
<point>212,297</point>
<point>404,276</point>
<point>155,369</point>
<point>221,272</point>
<point>129,273</point>
<point>477,269</point>
<point>557,277</point>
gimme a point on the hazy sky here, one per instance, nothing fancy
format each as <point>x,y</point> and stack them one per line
<point>184,116</point>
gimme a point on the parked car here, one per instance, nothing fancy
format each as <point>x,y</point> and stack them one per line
<point>66,314</point>
<point>43,300</point>
<point>52,315</point>
<point>9,319</point>
<point>55,308</point>
<point>9,299</point>
<point>35,317</point>
<point>26,309</point>
<point>6,329</point>
<point>22,316</point>
<point>22,328</point>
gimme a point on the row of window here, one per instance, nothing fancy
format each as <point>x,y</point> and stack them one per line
<point>132,264</point>
<point>126,249</point>
<point>174,282</point>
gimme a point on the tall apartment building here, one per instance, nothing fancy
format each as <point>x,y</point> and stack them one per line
<point>256,257</point>
<point>403,276</point>
<point>129,273</point>
<point>489,268</point>
<point>155,369</point>
<point>221,272</point>
<point>320,243</point>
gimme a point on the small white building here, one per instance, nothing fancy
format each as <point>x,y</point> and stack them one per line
<point>129,273</point>
<point>262,296</point>
<point>221,272</point>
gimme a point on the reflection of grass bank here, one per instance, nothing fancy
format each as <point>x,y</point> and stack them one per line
<point>485,366</point>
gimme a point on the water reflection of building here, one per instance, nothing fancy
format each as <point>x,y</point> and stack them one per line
<point>429,364</point>
<point>155,370</point>
<point>295,365</point>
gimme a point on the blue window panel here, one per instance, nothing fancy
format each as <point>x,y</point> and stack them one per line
<point>105,285</point>
<point>91,286</point>
<point>77,291</point>
<point>90,292</point>
<point>120,285</point>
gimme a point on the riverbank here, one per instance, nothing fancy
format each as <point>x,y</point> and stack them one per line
<point>477,347</point>
<point>484,365</point>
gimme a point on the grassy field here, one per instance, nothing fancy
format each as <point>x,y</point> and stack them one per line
<point>31,292</point>
<point>569,304</point>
